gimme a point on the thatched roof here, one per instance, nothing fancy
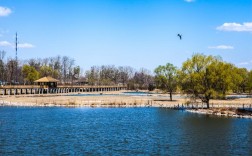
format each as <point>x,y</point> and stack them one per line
<point>47,79</point>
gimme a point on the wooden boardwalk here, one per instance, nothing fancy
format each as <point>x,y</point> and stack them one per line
<point>34,89</point>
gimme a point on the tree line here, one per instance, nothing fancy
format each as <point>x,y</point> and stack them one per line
<point>14,71</point>
<point>201,76</point>
<point>204,77</point>
<point>67,72</point>
<point>125,75</point>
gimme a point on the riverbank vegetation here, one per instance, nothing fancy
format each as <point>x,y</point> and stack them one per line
<point>205,77</point>
<point>200,77</point>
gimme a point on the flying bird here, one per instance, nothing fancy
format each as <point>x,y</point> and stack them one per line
<point>180,36</point>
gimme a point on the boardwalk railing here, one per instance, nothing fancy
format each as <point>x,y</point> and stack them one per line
<point>34,89</point>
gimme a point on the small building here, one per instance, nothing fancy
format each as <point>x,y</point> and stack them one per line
<point>47,82</point>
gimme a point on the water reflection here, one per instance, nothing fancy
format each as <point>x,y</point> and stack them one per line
<point>208,135</point>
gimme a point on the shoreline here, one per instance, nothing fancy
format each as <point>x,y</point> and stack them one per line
<point>119,100</point>
<point>217,112</point>
<point>223,112</point>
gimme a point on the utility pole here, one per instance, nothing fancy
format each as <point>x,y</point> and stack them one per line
<point>16,61</point>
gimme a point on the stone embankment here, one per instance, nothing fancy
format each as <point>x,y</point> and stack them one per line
<point>226,112</point>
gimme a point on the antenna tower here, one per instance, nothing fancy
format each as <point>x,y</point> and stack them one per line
<point>16,43</point>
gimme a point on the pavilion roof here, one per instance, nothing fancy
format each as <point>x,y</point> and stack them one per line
<point>47,79</point>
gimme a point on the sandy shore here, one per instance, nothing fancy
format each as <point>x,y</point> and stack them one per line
<point>112,98</point>
<point>108,99</point>
<point>118,99</point>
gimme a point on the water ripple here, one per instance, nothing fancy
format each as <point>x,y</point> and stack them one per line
<point>120,131</point>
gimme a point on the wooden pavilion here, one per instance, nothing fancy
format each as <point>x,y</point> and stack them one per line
<point>47,82</point>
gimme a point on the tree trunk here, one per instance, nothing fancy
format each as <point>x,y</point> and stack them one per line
<point>207,102</point>
<point>171,96</point>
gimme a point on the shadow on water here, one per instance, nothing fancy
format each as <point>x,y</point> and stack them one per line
<point>219,135</point>
<point>207,134</point>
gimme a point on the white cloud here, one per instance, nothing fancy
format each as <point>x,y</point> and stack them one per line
<point>21,45</point>
<point>5,44</point>
<point>245,27</point>
<point>189,1</point>
<point>4,11</point>
<point>222,47</point>
<point>25,45</point>
<point>245,63</point>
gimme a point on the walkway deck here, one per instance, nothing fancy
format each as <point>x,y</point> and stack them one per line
<point>34,89</point>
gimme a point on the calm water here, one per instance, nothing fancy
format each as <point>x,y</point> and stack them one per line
<point>120,131</point>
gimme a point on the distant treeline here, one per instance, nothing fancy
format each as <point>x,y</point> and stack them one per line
<point>65,70</point>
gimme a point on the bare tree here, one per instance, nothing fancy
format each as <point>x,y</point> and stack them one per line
<point>65,64</point>
<point>10,70</point>
<point>35,63</point>
<point>2,55</point>
<point>125,74</point>
<point>142,79</point>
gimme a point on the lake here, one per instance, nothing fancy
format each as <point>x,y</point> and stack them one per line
<point>120,131</point>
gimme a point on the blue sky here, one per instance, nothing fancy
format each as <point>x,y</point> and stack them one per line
<point>137,33</point>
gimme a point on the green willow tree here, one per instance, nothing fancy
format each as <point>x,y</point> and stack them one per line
<point>47,71</point>
<point>249,82</point>
<point>240,86</point>
<point>207,77</point>
<point>227,78</point>
<point>30,74</point>
<point>167,78</point>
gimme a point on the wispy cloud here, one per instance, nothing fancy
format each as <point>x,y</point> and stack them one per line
<point>25,45</point>
<point>20,45</point>
<point>245,27</point>
<point>5,44</point>
<point>247,63</point>
<point>189,1</point>
<point>4,11</point>
<point>222,47</point>
<point>243,63</point>
<point>3,32</point>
